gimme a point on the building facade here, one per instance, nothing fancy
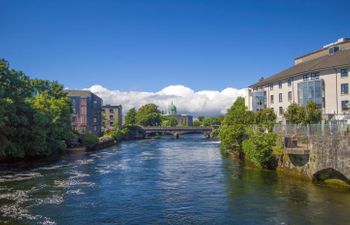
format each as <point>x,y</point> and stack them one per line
<point>112,117</point>
<point>86,116</point>
<point>321,76</point>
<point>182,119</point>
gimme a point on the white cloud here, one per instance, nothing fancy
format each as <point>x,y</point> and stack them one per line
<point>187,101</point>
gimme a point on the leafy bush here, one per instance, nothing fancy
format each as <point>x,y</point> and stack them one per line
<point>90,139</point>
<point>116,134</point>
<point>259,149</point>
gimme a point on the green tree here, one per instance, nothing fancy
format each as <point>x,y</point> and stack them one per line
<point>196,123</point>
<point>148,115</point>
<point>259,149</point>
<point>313,115</point>
<point>295,114</point>
<point>34,115</point>
<point>265,119</point>
<point>130,118</point>
<point>234,126</point>
<point>168,121</point>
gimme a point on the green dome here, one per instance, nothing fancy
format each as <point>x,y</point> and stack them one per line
<point>172,109</point>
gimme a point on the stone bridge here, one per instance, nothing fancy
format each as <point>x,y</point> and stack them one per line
<point>328,157</point>
<point>177,131</point>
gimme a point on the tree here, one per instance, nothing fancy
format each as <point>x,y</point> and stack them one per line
<point>295,113</point>
<point>265,119</point>
<point>130,118</point>
<point>312,114</point>
<point>34,115</point>
<point>234,126</point>
<point>168,121</point>
<point>148,115</point>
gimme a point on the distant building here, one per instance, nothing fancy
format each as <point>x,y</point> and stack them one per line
<point>86,116</point>
<point>182,119</point>
<point>111,116</point>
<point>321,76</point>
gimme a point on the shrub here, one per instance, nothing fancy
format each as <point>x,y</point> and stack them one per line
<point>90,139</point>
<point>259,149</point>
<point>116,134</point>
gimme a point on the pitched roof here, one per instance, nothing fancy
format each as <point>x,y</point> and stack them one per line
<point>339,59</point>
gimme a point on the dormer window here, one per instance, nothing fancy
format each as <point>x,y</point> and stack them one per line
<point>333,50</point>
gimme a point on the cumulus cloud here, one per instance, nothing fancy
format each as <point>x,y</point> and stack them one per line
<point>187,101</point>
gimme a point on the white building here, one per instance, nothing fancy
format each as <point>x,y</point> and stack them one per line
<point>321,76</point>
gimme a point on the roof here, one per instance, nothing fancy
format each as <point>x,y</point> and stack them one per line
<point>339,59</point>
<point>112,106</point>
<point>322,49</point>
<point>78,93</point>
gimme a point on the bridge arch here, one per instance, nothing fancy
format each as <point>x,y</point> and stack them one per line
<point>330,173</point>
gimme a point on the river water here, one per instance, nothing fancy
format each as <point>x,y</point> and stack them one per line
<point>163,181</point>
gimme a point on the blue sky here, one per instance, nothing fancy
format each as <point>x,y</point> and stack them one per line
<point>147,45</point>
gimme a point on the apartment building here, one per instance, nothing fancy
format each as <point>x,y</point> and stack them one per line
<point>321,76</point>
<point>112,117</point>
<point>86,115</point>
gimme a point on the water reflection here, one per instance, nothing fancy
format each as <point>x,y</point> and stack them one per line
<point>164,181</point>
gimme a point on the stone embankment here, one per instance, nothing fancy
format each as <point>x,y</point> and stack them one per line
<point>327,158</point>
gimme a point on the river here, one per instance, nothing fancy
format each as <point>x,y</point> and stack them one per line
<point>162,181</point>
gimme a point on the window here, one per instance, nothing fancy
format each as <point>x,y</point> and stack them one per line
<point>344,105</point>
<point>344,89</point>
<point>95,128</point>
<point>280,110</point>
<point>333,50</point>
<point>95,119</point>
<point>280,84</point>
<point>306,77</point>
<point>289,96</point>
<point>271,87</point>
<point>271,99</point>
<point>83,110</point>
<point>344,72</point>
<point>315,76</point>
<point>111,111</point>
<point>289,82</point>
<point>280,97</point>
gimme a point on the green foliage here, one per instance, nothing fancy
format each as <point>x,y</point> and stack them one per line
<point>295,113</point>
<point>312,114</point>
<point>148,115</point>
<point>265,119</point>
<point>212,121</point>
<point>196,123</point>
<point>130,117</point>
<point>234,126</point>
<point>90,139</point>
<point>259,149</point>
<point>34,115</point>
<point>168,121</point>
<point>116,134</point>
<point>133,132</point>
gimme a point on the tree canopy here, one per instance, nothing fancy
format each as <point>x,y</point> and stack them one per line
<point>297,114</point>
<point>234,126</point>
<point>34,115</point>
<point>130,117</point>
<point>148,115</point>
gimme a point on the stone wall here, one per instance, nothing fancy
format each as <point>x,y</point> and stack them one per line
<point>329,158</point>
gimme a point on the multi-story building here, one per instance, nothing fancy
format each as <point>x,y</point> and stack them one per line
<point>321,76</point>
<point>86,116</point>
<point>112,117</point>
